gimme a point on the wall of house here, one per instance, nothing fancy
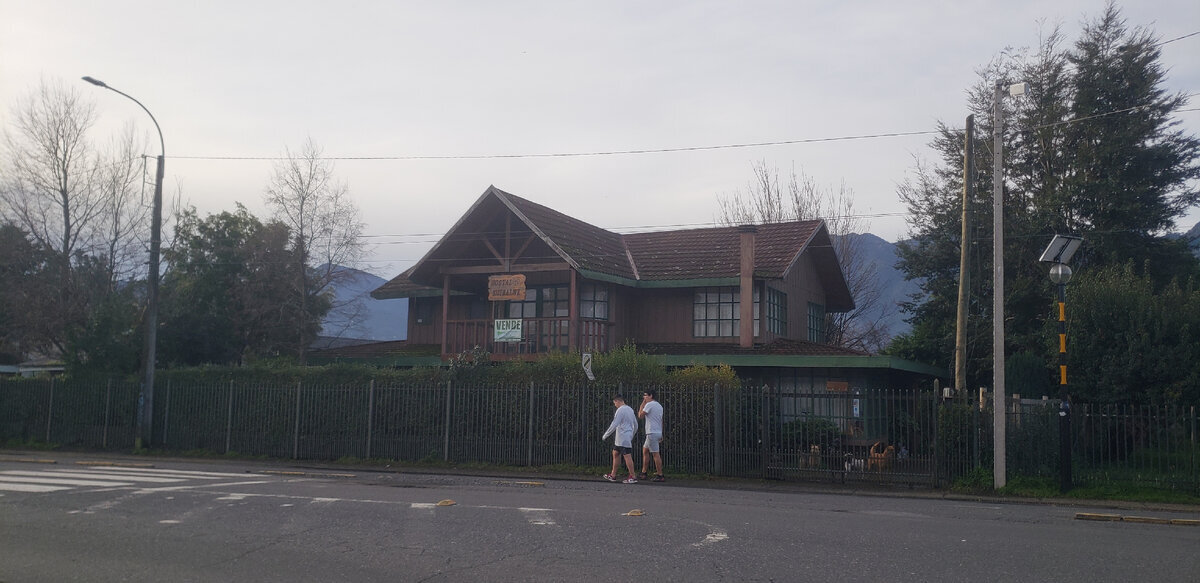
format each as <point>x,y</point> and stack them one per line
<point>802,286</point>
<point>665,316</point>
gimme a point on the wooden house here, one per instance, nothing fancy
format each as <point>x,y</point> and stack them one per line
<point>517,279</point>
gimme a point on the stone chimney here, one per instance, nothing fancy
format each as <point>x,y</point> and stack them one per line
<point>746,269</point>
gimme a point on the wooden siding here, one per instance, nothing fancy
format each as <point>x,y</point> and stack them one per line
<point>803,285</point>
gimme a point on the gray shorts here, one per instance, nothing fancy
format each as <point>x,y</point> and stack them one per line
<point>652,440</point>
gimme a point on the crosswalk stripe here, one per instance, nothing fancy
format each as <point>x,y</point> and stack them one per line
<point>63,481</point>
<point>180,473</point>
<point>90,475</point>
<point>31,487</point>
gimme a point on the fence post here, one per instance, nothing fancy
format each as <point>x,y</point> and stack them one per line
<point>529,449</point>
<point>50,410</point>
<point>296,433</point>
<point>718,432</point>
<point>229,418</point>
<point>107,400</point>
<point>446,427</point>
<point>370,414</point>
<point>763,438</point>
<point>166,412</point>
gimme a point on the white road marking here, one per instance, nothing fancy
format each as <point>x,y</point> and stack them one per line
<point>178,473</point>
<point>62,481</point>
<point>538,516</point>
<point>31,488</point>
<point>95,475</point>
<point>198,486</point>
<point>712,538</point>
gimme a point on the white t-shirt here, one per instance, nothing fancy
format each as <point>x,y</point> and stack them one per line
<point>654,417</point>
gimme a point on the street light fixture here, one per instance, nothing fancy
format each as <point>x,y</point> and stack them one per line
<point>145,418</point>
<point>1058,254</point>
<point>999,465</point>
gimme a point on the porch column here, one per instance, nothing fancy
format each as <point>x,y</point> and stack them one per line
<point>746,270</point>
<point>573,326</point>
<point>445,311</point>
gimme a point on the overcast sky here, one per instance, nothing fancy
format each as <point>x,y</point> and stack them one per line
<point>412,79</point>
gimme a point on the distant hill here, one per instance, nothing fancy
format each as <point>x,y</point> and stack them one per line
<point>359,316</point>
<point>892,285</point>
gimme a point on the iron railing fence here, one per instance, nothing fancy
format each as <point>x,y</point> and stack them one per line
<point>1145,445</point>
<point>882,435</point>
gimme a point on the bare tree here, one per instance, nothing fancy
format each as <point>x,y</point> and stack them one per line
<point>766,200</point>
<point>326,225</point>
<point>76,202</point>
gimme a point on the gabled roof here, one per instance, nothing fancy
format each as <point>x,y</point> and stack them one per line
<point>681,258</point>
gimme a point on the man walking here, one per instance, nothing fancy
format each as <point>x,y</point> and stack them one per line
<point>624,424</point>
<point>652,411</point>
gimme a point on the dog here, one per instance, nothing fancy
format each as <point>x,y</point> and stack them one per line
<point>853,464</point>
<point>880,458</point>
<point>812,459</point>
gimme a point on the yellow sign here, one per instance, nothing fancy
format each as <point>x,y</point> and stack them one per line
<point>506,287</point>
<point>837,386</point>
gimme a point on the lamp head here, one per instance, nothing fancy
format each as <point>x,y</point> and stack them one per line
<point>1060,273</point>
<point>93,81</point>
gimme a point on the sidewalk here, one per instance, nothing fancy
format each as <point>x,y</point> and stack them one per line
<point>73,457</point>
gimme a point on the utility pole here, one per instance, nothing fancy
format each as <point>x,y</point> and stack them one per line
<point>964,273</point>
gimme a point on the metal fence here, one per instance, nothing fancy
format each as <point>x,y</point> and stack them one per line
<point>884,436</point>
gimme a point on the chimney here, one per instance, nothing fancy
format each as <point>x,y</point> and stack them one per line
<point>746,270</point>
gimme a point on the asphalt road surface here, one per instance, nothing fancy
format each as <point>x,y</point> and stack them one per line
<point>171,520</point>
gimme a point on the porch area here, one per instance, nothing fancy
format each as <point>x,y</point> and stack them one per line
<point>538,336</point>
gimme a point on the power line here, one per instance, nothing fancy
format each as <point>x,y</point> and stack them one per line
<point>581,154</point>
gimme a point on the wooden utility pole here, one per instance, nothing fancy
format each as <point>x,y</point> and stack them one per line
<point>964,273</point>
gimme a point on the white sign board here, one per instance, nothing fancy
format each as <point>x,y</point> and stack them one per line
<point>507,331</point>
<point>587,366</point>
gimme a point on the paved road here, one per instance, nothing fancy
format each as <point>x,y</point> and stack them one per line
<point>239,521</point>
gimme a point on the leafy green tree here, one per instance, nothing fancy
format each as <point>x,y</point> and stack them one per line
<point>229,295</point>
<point>1130,340</point>
<point>1094,150</point>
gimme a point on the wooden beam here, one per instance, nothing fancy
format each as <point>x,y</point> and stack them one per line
<point>486,269</point>
<point>524,246</point>
<point>491,248</point>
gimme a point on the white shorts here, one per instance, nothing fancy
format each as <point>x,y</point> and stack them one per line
<point>652,440</point>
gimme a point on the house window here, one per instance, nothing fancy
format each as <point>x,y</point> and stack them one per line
<point>816,322</point>
<point>541,302</point>
<point>716,312</point>
<point>776,312</point>
<point>593,301</point>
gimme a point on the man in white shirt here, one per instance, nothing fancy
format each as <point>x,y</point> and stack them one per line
<point>652,411</point>
<point>624,424</point>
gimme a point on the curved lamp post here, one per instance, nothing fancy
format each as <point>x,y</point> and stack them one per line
<point>999,406</point>
<point>145,418</point>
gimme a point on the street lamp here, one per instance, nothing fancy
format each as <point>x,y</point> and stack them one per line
<point>1058,254</point>
<point>145,420</point>
<point>999,466</point>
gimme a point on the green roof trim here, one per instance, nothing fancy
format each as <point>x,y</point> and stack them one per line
<point>382,361</point>
<point>793,361</point>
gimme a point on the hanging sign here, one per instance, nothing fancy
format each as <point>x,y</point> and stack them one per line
<point>506,287</point>
<point>507,331</point>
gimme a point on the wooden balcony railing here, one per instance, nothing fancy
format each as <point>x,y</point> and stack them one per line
<point>539,335</point>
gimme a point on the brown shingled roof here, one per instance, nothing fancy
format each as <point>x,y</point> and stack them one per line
<point>660,256</point>
<point>715,252</point>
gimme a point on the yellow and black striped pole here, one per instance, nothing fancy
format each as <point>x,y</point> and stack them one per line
<point>1060,274</point>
